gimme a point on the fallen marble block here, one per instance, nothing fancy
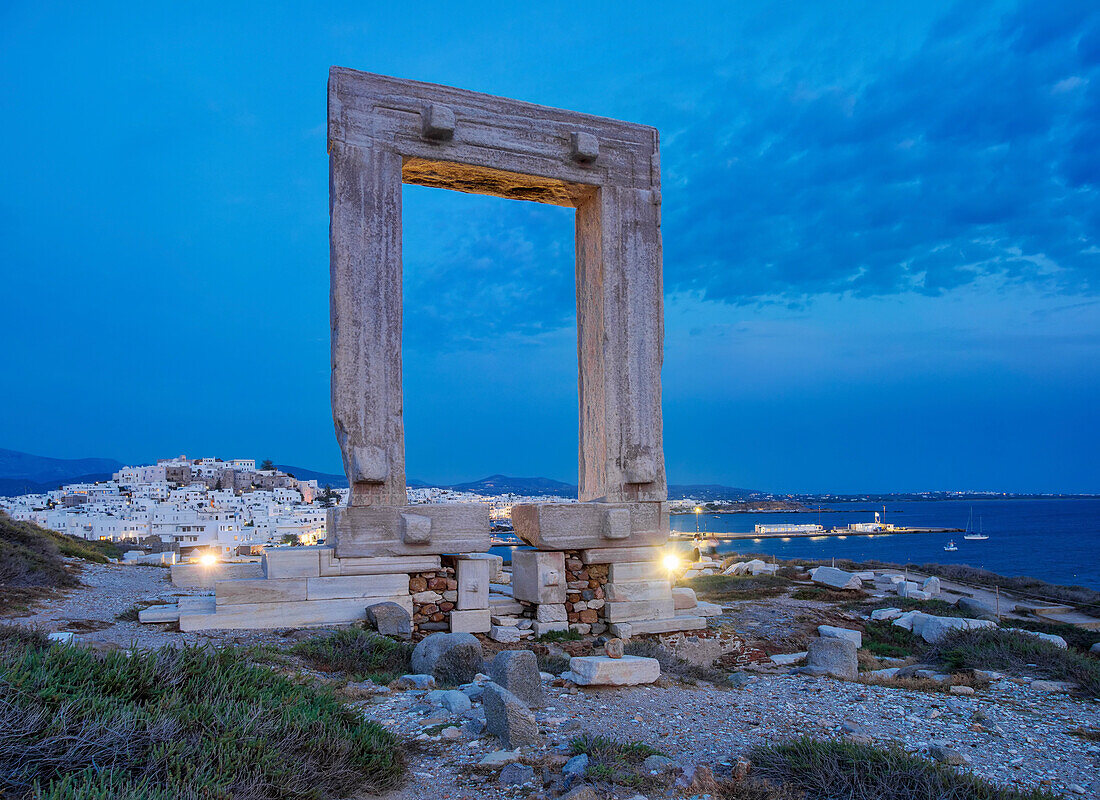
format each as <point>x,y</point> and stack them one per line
<point>835,578</point>
<point>607,671</point>
<point>833,632</point>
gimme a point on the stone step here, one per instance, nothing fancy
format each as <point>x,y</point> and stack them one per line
<point>685,622</point>
<point>164,613</point>
<point>504,606</point>
<point>293,614</point>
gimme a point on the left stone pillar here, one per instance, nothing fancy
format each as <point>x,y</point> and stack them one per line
<point>365,300</point>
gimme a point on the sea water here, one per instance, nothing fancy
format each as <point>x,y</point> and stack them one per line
<point>1054,540</point>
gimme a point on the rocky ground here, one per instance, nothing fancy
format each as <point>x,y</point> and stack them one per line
<point>1013,733</point>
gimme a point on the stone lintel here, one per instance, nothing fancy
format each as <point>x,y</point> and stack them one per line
<point>578,526</point>
<point>368,531</point>
<point>621,555</point>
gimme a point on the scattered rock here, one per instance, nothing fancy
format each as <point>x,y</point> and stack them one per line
<point>505,634</point>
<point>605,671</point>
<point>1053,686</point>
<point>451,733</point>
<point>885,614</point>
<point>415,682</point>
<point>976,608</point>
<point>657,763</point>
<point>450,657</point>
<point>582,792</point>
<point>390,619</point>
<point>1095,649</point>
<point>517,775</point>
<point>948,755</point>
<point>614,648</point>
<point>835,578</point>
<point>507,718</point>
<point>499,758</point>
<point>962,690</point>
<point>740,679</point>
<point>931,586</point>
<point>455,701</point>
<point>1053,639</point>
<point>518,672</point>
<point>577,765</point>
<point>932,629</point>
<point>833,632</point>
<point>788,659</point>
<point>836,657</point>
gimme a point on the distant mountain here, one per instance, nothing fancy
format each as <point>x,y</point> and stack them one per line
<point>13,487</point>
<point>710,491</point>
<point>40,469</point>
<point>336,481</point>
<point>501,484</point>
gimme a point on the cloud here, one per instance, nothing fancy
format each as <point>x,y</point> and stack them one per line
<point>975,155</point>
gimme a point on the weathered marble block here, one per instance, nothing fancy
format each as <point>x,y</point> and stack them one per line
<point>472,575</point>
<point>409,530</point>
<point>538,576</point>
<point>575,526</point>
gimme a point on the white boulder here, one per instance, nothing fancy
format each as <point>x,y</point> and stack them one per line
<point>835,578</point>
<point>833,632</point>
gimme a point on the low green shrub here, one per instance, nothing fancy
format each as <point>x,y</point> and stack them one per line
<point>883,638</point>
<point>1016,654</point>
<point>358,652</point>
<point>561,636</point>
<point>615,762</point>
<point>842,770</point>
<point>736,587</point>
<point>189,723</point>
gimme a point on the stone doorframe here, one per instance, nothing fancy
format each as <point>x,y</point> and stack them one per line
<point>383,132</point>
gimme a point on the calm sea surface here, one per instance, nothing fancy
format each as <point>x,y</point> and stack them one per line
<point>1054,540</point>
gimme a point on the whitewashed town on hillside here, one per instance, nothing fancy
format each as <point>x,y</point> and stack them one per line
<point>211,506</point>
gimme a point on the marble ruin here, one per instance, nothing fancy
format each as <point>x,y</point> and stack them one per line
<point>594,565</point>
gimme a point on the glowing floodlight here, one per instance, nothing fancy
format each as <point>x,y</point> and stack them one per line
<point>671,562</point>
<point>208,560</point>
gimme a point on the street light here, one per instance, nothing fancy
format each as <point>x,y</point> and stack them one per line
<point>698,511</point>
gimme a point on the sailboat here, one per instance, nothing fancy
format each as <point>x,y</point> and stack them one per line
<point>951,546</point>
<point>976,536</point>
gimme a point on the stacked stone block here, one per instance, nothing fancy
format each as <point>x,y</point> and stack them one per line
<point>434,595</point>
<point>302,587</point>
<point>584,597</point>
<point>638,593</point>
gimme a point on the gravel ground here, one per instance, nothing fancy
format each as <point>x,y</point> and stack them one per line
<point>1014,733</point>
<point>1022,740</point>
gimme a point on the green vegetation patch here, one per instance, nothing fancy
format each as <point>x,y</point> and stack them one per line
<point>1015,654</point>
<point>1077,638</point>
<point>849,771</point>
<point>716,588</point>
<point>849,597</point>
<point>561,636</point>
<point>552,663</point>
<point>187,723</point>
<point>359,653</point>
<point>883,638</point>
<point>619,763</point>
<point>32,561</point>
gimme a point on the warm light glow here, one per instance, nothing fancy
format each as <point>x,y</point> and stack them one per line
<point>671,562</point>
<point>208,560</point>
<point>698,510</point>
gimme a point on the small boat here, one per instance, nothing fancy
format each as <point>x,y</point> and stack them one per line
<point>951,546</point>
<point>978,536</point>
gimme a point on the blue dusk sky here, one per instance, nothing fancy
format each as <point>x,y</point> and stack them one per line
<point>881,231</point>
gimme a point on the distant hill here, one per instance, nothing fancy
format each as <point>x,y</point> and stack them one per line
<point>41,469</point>
<point>336,481</point>
<point>709,491</point>
<point>501,484</point>
<point>13,487</point>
